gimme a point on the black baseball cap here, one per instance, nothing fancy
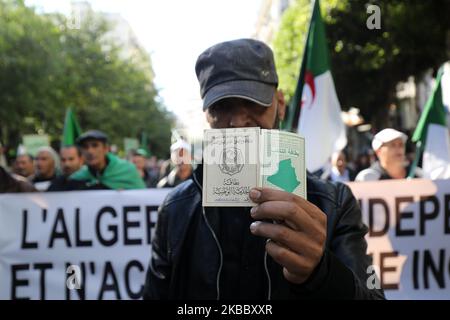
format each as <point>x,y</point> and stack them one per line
<point>242,68</point>
<point>92,135</point>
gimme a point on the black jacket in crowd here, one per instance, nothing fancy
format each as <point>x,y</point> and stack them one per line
<point>209,253</point>
<point>63,183</point>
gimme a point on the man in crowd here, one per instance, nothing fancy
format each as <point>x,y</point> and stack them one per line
<point>339,171</point>
<point>139,158</point>
<point>47,164</point>
<point>71,162</point>
<point>315,250</point>
<point>389,147</point>
<point>180,156</point>
<point>103,170</point>
<point>24,165</point>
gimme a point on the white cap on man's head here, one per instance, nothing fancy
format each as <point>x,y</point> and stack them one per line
<point>385,136</point>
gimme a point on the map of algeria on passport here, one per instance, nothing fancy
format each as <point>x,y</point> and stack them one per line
<point>237,160</point>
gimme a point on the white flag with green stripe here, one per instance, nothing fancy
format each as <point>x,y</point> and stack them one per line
<point>432,134</point>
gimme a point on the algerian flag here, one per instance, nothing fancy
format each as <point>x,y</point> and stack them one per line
<point>71,129</point>
<point>432,135</point>
<point>316,101</point>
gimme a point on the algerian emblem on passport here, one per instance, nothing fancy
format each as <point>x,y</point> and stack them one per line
<point>232,161</point>
<point>237,160</point>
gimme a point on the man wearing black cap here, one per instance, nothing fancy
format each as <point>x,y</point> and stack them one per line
<point>317,247</point>
<point>103,170</point>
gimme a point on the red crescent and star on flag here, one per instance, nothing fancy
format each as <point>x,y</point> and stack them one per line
<point>309,82</point>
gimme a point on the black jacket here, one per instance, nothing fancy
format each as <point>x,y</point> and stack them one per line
<point>60,183</point>
<point>63,183</point>
<point>187,257</point>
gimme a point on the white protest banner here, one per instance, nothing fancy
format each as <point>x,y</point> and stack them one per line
<point>76,245</point>
<point>100,240</point>
<point>409,235</point>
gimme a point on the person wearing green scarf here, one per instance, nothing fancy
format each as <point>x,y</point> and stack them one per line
<point>103,170</point>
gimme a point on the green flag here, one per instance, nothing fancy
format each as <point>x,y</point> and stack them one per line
<point>433,112</point>
<point>71,129</point>
<point>432,136</point>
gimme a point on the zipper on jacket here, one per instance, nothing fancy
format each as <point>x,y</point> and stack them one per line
<point>216,240</point>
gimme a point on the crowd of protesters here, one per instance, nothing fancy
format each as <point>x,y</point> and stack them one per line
<point>90,165</point>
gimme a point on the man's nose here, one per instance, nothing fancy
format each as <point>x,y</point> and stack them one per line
<point>239,118</point>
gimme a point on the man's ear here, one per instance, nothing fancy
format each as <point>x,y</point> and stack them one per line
<point>281,105</point>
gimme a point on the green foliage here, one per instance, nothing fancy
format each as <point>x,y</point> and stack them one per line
<point>47,67</point>
<point>367,64</point>
<point>290,41</point>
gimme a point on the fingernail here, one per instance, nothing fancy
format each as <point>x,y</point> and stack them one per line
<point>253,210</point>
<point>255,194</point>
<point>254,225</point>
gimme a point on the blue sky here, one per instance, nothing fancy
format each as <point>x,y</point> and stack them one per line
<point>175,32</point>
